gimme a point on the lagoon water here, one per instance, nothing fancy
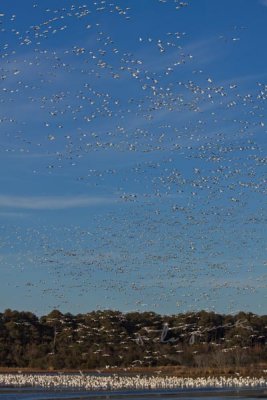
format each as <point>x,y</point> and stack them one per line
<point>41,394</point>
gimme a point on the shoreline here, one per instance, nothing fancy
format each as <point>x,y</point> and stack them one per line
<point>254,370</point>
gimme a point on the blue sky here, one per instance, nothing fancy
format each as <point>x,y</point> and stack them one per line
<point>133,155</point>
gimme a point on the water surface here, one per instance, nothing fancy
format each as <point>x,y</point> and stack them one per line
<point>211,394</point>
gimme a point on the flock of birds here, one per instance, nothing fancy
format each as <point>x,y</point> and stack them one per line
<point>152,331</point>
<point>173,157</point>
<point>117,382</point>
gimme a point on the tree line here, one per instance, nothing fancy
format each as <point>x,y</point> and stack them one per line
<point>111,338</point>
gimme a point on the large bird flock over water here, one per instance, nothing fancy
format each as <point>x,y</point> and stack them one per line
<point>136,382</point>
<point>165,160</point>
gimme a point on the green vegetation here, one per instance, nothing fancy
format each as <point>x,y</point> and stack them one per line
<point>101,338</point>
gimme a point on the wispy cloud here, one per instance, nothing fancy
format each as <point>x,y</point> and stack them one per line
<point>263,3</point>
<point>52,202</point>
